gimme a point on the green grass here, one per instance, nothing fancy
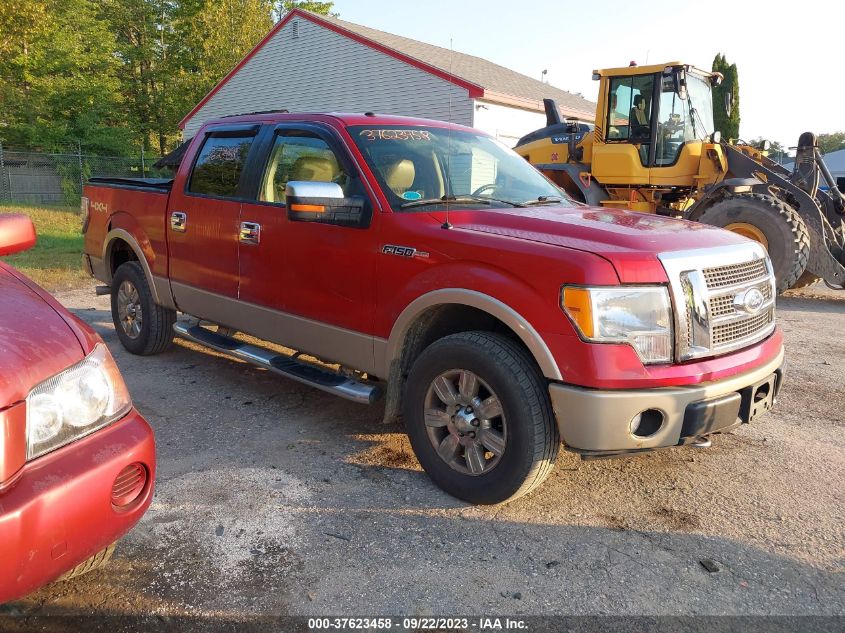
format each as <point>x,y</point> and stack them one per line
<point>56,260</point>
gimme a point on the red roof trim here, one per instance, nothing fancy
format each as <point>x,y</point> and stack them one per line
<point>475,91</point>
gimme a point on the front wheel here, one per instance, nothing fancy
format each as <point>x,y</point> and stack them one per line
<point>479,419</point>
<point>95,562</point>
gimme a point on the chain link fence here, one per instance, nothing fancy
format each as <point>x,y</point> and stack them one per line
<point>32,177</point>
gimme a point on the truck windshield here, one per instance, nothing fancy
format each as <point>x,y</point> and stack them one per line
<point>423,168</point>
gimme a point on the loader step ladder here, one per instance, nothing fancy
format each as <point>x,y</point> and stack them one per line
<point>307,373</point>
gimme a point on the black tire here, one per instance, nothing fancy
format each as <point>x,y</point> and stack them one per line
<point>806,279</point>
<point>154,328</point>
<point>531,439</point>
<point>95,562</point>
<point>785,231</point>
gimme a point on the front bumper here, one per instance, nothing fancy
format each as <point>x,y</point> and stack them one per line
<point>59,513</point>
<point>598,422</point>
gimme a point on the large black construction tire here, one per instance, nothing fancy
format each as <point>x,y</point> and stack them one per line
<point>769,221</point>
<point>806,279</point>
<point>479,418</point>
<point>95,562</point>
<point>143,327</point>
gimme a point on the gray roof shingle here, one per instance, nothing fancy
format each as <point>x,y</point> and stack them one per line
<point>475,70</point>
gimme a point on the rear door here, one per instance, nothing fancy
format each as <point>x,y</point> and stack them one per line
<point>314,281</point>
<point>203,222</point>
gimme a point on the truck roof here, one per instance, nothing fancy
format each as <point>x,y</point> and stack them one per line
<point>345,118</point>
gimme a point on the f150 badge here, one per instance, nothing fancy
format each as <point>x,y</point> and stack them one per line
<point>402,251</point>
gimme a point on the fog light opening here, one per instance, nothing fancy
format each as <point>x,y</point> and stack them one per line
<point>129,485</point>
<point>647,423</point>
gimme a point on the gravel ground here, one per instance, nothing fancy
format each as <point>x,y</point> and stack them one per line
<point>274,498</point>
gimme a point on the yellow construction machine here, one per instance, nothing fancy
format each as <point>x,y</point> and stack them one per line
<point>653,148</point>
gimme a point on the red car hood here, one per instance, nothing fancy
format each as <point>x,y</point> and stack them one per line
<point>35,340</point>
<point>631,241</point>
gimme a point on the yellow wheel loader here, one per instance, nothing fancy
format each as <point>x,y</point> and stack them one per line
<point>653,148</point>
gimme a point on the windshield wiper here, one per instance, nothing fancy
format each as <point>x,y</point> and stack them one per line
<point>444,200</point>
<point>542,200</point>
<point>464,198</point>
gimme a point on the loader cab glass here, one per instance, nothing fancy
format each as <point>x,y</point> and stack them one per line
<point>682,120</point>
<point>629,114</point>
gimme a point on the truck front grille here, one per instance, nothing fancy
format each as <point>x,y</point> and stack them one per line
<point>718,308</point>
<point>727,333</point>
<point>723,305</point>
<point>734,274</point>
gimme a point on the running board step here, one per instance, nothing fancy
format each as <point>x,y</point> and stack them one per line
<point>306,373</point>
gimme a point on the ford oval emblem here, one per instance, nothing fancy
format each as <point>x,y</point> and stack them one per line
<point>751,301</point>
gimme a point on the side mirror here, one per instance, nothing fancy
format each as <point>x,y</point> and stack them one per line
<point>17,233</point>
<point>323,202</point>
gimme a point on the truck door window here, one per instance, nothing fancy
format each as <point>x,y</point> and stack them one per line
<point>217,170</point>
<point>300,156</point>
<point>629,109</point>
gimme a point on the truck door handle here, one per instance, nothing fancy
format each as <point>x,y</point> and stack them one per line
<point>179,221</point>
<point>250,233</point>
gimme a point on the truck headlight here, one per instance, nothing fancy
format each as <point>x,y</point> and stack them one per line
<point>74,403</point>
<point>640,316</point>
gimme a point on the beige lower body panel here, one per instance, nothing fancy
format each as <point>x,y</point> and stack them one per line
<point>327,342</point>
<point>599,420</point>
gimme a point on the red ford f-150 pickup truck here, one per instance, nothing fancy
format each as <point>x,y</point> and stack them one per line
<point>77,461</point>
<point>432,265</point>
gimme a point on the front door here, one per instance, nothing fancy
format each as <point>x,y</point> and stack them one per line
<point>202,222</point>
<point>623,157</point>
<point>310,283</point>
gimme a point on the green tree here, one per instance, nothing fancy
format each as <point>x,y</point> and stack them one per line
<point>321,8</point>
<point>726,99</point>
<point>59,76</point>
<point>831,142</point>
<point>172,52</point>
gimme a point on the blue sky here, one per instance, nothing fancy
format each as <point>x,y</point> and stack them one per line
<point>783,90</point>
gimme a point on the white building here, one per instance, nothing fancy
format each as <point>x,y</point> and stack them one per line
<point>311,63</point>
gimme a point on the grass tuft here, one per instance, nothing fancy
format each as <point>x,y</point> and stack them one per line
<point>55,263</point>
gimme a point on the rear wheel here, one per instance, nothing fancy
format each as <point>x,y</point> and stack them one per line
<point>478,415</point>
<point>143,327</point>
<point>773,224</point>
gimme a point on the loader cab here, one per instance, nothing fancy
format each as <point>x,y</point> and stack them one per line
<point>656,120</point>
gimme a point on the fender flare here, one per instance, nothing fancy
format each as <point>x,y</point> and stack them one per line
<point>496,308</point>
<point>124,235</point>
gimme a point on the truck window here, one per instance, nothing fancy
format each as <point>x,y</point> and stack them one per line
<point>217,170</point>
<point>300,156</point>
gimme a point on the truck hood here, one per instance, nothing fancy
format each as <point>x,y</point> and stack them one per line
<point>630,241</point>
<point>35,340</point>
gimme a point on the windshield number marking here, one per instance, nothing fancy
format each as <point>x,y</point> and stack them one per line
<point>396,135</point>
